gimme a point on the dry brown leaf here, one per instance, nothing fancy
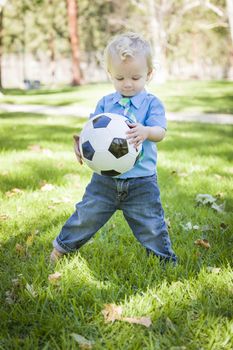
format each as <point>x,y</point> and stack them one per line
<point>13,192</point>
<point>55,277</point>
<point>20,249</point>
<point>144,321</point>
<point>202,243</point>
<point>4,217</point>
<point>113,312</point>
<point>35,148</point>
<point>83,343</point>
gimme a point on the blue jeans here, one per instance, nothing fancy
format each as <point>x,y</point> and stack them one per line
<point>138,198</point>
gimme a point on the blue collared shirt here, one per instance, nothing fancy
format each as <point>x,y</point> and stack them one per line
<point>149,111</point>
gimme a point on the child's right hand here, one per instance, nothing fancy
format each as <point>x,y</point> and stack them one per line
<point>77,150</point>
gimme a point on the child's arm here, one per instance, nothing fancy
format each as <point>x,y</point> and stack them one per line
<point>139,133</point>
<point>77,150</point>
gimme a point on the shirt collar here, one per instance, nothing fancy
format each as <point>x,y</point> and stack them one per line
<point>136,99</point>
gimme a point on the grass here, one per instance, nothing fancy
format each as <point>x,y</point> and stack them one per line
<point>185,96</point>
<point>191,306</point>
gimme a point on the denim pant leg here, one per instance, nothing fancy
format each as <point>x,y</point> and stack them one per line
<point>144,213</point>
<point>96,207</point>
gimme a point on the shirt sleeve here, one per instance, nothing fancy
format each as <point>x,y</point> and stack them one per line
<point>99,108</point>
<point>156,114</point>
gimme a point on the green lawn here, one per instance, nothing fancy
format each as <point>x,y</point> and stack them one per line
<point>197,96</point>
<point>191,306</point>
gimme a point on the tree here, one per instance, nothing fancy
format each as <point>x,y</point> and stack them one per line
<point>230,16</point>
<point>2,3</point>
<point>72,14</point>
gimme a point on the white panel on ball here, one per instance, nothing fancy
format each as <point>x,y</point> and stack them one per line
<point>104,147</point>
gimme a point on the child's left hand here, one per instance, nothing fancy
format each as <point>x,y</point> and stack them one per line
<point>137,133</point>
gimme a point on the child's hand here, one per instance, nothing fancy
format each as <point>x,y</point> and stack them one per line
<point>76,149</point>
<point>137,133</point>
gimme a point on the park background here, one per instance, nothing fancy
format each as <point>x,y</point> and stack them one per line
<point>110,295</point>
<point>62,41</point>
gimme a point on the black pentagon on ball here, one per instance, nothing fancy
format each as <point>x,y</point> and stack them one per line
<point>88,150</point>
<point>101,122</point>
<point>118,147</point>
<point>110,172</point>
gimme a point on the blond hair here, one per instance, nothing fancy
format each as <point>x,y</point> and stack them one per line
<point>128,45</point>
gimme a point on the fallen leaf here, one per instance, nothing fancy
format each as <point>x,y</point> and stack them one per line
<point>219,208</point>
<point>220,195</point>
<point>217,176</point>
<point>38,148</point>
<point>205,199</point>
<point>183,174</point>
<point>35,148</point>
<point>4,217</point>
<point>215,270</point>
<point>52,207</point>
<point>188,226</point>
<point>82,342</point>
<point>144,321</point>
<point>20,249</point>
<point>168,222</point>
<point>13,192</point>
<point>202,243</point>
<point>31,290</point>
<point>206,228</point>
<point>113,312</point>
<point>55,277</point>
<point>9,297</point>
<point>62,200</point>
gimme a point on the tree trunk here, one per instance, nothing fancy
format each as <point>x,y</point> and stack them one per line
<point>51,43</point>
<point>158,38</point>
<point>72,13</point>
<point>230,16</point>
<point>1,43</point>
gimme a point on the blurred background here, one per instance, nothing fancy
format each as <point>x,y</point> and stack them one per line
<point>53,42</point>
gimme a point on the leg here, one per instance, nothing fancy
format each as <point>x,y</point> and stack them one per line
<point>145,216</point>
<point>96,207</point>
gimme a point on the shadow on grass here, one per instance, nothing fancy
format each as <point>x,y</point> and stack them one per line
<point>217,140</point>
<point>219,104</point>
<point>25,131</point>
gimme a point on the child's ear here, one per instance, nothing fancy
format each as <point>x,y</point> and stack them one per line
<point>150,74</point>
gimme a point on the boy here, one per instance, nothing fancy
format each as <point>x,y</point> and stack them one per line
<point>128,61</point>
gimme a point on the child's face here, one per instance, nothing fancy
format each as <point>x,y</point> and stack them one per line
<point>129,76</point>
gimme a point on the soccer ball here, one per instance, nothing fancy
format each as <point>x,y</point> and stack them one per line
<point>104,147</point>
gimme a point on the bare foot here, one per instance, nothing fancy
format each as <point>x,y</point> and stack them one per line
<point>55,256</point>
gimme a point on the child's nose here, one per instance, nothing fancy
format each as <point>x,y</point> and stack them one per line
<point>128,83</point>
